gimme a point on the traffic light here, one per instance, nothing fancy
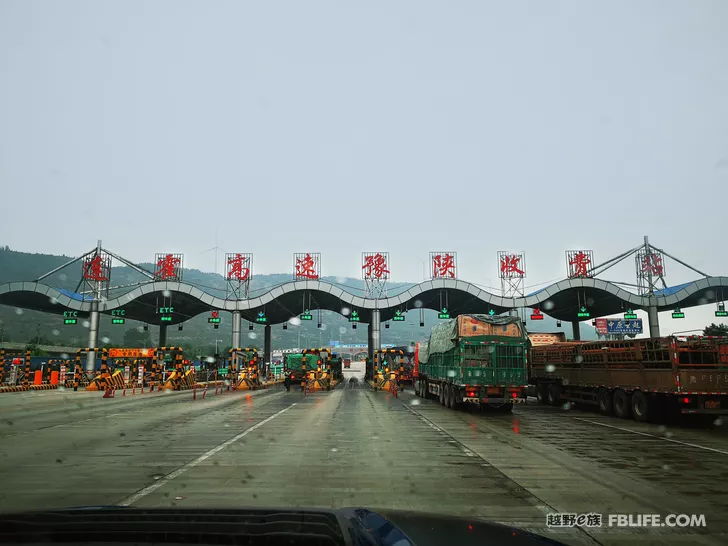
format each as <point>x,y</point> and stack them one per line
<point>285,326</point>
<point>386,325</point>
<point>179,328</point>
<point>146,327</point>
<point>250,326</point>
<point>217,327</point>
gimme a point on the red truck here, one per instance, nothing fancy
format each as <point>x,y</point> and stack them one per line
<point>637,378</point>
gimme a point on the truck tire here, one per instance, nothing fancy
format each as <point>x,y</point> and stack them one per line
<point>451,397</point>
<point>417,387</point>
<point>641,406</point>
<point>553,394</point>
<point>604,401</point>
<point>542,393</point>
<point>621,404</point>
<point>441,394</point>
<point>423,389</point>
<point>448,396</point>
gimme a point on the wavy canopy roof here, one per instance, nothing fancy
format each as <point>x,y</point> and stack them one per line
<point>560,300</point>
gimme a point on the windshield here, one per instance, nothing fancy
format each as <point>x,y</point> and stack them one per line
<point>424,256</point>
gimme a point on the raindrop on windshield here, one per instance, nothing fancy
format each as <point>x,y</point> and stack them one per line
<point>590,302</point>
<point>64,356</point>
<point>18,311</point>
<point>718,422</point>
<point>53,300</point>
<point>710,294</point>
<point>567,406</point>
<point>418,303</point>
<point>550,368</point>
<point>252,335</point>
<point>62,276</point>
<point>665,467</point>
<point>86,324</point>
<point>668,434</point>
<point>703,301</point>
<point>547,305</point>
<point>451,373</point>
<point>105,340</point>
<point>342,330</point>
<point>140,328</point>
<point>334,450</point>
<point>295,321</point>
<point>415,402</point>
<point>578,359</point>
<point>345,311</point>
<point>210,359</point>
<point>56,332</point>
<point>166,293</point>
<point>341,280</point>
<point>323,326</point>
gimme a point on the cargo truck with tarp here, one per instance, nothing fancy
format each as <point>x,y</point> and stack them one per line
<point>635,378</point>
<point>474,359</point>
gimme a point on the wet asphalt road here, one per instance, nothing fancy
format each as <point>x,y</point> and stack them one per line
<point>356,447</point>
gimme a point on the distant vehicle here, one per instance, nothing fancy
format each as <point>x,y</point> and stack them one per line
<point>638,378</point>
<point>474,359</point>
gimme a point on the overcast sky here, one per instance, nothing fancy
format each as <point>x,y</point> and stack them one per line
<point>342,127</point>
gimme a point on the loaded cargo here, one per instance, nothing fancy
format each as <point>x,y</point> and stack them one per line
<point>637,378</point>
<point>474,359</point>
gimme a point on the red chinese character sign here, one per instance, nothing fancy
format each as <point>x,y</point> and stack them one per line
<point>512,271</point>
<point>97,267</point>
<point>580,263</point>
<point>168,267</point>
<point>443,265</point>
<point>375,265</point>
<point>650,267</point>
<point>96,270</point>
<point>375,272</point>
<point>306,266</point>
<point>511,265</point>
<point>239,272</point>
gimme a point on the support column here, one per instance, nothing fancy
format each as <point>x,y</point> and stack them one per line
<point>266,343</point>
<point>370,354</point>
<point>236,329</point>
<point>376,323</point>
<point>576,331</point>
<point>653,318</point>
<point>93,331</point>
<point>93,336</point>
<point>162,335</point>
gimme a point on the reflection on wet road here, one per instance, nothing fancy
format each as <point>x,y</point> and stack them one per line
<point>353,446</point>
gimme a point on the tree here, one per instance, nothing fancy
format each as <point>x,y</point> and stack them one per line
<point>716,330</point>
<point>134,338</point>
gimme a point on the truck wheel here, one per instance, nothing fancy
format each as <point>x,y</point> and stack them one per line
<point>604,400</point>
<point>542,393</point>
<point>621,404</point>
<point>641,406</point>
<point>451,397</point>
<point>447,396</point>
<point>423,389</point>
<point>441,394</point>
<point>553,394</point>
<point>454,398</point>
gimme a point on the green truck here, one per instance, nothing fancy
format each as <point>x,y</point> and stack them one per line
<point>293,365</point>
<point>474,359</point>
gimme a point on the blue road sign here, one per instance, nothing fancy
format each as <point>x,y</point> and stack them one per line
<point>621,326</point>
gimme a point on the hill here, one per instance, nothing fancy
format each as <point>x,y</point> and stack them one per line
<point>197,336</point>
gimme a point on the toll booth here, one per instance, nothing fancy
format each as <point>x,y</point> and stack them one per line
<point>15,369</point>
<point>318,369</point>
<point>244,368</point>
<point>388,367</point>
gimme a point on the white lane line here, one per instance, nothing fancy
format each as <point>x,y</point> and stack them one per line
<point>652,436</point>
<point>185,467</point>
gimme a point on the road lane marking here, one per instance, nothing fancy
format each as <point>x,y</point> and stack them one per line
<point>652,436</point>
<point>532,499</point>
<point>202,458</point>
